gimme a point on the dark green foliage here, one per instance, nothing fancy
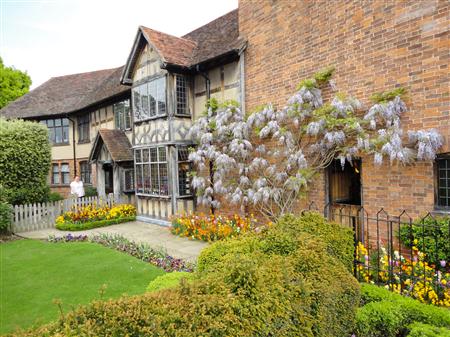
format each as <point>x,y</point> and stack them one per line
<point>430,233</point>
<point>25,157</point>
<point>5,216</point>
<point>261,290</point>
<point>386,314</point>
<point>319,78</point>
<point>383,97</point>
<point>90,191</point>
<point>426,330</point>
<point>92,224</point>
<point>13,84</point>
<point>55,196</point>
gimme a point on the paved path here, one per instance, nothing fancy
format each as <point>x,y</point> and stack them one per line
<point>154,235</point>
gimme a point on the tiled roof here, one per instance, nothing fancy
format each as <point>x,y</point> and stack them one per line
<point>207,42</point>
<point>65,94</point>
<point>116,142</point>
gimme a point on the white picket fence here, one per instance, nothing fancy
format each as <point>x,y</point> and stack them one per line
<point>37,216</point>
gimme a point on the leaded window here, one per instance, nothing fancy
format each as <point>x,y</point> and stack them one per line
<point>152,171</point>
<point>443,182</point>
<point>181,95</point>
<point>55,174</point>
<point>65,174</point>
<point>85,172</point>
<point>83,129</point>
<point>58,130</point>
<point>128,180</point>
<point>149,99</point>
<point>122,115</point>
<point>184,169</point>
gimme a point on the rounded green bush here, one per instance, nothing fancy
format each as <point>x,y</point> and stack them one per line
<point>169,280</point>
<point>426,330</point>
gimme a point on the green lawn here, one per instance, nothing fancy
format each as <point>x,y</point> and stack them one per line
<point>34,273</point>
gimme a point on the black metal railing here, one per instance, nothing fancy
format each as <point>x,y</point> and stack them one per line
<point>405,255</point>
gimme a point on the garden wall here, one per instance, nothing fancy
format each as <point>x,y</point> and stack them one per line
<point>375,46</point>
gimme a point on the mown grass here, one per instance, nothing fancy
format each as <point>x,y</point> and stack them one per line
<point>33,274</point>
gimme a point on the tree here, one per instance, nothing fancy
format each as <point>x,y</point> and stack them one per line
<point>266,159</point>
<point>13,84</point>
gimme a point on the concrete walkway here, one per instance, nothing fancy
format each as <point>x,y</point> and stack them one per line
<point>154,235</point>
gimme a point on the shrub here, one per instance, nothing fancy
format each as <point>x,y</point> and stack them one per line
<point>55,196</point>
<point>92,224</point>
<point>90,191</point>
<point>5,216</point>
<point>169,280</point>
<point>25,157</point>
<point>212,227</point>
<point>430,235</point>
<point>262,291</point>
<point>386,314</point>
<point>426,330</point>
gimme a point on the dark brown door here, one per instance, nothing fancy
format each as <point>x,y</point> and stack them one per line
<point>109,179</point>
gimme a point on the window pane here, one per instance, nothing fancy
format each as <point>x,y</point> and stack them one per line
<point>137,104</point>
<point>58,135</point>
<point>184,182</point>
<point>164,179</point>
<point>145,156</point>
<point>181,95</point>
<point>65,134</point>
<point>183,153</point>
<point>127,114</point>
<point>137,155</point>
<point>51,135</point>
<point>162,154</point>
<point>57,122</point>
<point>65,121</point>
<point>139,183</point>
<point>144,100</point>
<point>161,95</point>
<point>146,171</point>
<point>152,97</point>
<point>153,155</point>
<point>155,178</point>
<point>50,123</point>
<point>443,182</point>
<point>65,173</point>
<point>128,181</point>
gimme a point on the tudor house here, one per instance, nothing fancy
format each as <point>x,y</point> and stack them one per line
<point>172,78</point>
<point>85,113</point>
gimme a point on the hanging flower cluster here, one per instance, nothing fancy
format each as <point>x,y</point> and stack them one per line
<point>266,159</point>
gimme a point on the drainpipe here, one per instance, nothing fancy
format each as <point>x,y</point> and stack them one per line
<point>208,96</point>
<point>73,146</point>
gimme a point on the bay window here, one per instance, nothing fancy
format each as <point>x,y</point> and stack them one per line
<point>152,171</point>
<point>149,99</point>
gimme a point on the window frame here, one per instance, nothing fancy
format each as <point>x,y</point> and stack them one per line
<point>83,172</point>
<point>437,181</point>
<point>65,174</point>
<point>137,101</point>
<point>83,121</point>
<point>55,173</point>
<point>187,108</point>
<point>122,117</point>
<point>132,187</point>
<point>52,127</point>
<point>153,167</point>
<point>189,162</point>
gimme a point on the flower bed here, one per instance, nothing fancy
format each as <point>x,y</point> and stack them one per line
<point>414,278</point>
<point>92,216</point>
<point>212,227</point>
<point>141,251</point>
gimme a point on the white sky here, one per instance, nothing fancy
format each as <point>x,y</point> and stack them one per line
<point>59,37</point>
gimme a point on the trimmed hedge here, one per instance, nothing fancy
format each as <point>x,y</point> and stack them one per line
<point>25,157</point>
<point>386,314</point>
<point>169,280</point>
<point>92,224</point>
<point>425,330</point>
<point>279,287</point>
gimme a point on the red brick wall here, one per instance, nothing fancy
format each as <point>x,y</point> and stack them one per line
<point>375,46</point>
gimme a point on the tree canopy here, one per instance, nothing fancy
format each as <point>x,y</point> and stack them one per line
<point>13,84</point>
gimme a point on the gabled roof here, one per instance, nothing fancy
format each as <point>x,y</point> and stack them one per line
<point>116,142</point>
<point>65,94</point>
<point>217,38</point>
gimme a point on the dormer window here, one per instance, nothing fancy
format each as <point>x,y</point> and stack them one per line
<point>150,99</point>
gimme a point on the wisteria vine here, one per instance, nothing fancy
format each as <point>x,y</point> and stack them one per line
<point>265,160</point>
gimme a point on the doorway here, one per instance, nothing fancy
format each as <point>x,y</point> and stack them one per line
<point>109,178</point>
<point>344,183</point>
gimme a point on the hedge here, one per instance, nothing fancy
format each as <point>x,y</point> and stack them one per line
<point>386,314</point>
<point>25,157</point>
<point>426,330</point>
<point>92,224</point>
<point>169,280</point>
<point>266,290</point>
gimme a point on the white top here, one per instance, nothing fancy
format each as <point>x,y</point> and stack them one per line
<point>77,188</point>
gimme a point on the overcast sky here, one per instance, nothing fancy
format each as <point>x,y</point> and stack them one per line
<point>60,37</point>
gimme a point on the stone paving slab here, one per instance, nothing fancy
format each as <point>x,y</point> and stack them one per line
<point>154,235</point>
